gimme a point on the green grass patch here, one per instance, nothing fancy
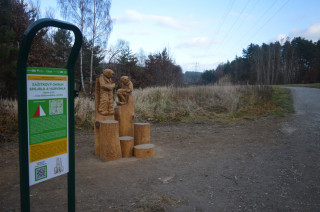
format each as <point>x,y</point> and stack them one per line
<point>276,101</point>
<point>313,85</point>
<point>282,99</point>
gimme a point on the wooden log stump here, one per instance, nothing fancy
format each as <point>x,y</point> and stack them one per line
<point>127,144</point>
<point>125,115</point>
<point>141,133</point>
<point>144,150</point>
<point>98,119</point>
<point>110,148</point>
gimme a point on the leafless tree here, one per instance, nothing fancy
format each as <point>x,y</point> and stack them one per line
<point>114,50</point>
<point>101,27</point>
<point>76,11</point>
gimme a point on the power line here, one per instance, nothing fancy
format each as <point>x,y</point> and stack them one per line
<point>285,3</point>
<point>224,17</point>
<point>260,18</point>
<point>265,12</point>
<point>249,12</point>
<point>234,23</point>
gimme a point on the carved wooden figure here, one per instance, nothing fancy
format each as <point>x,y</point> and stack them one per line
<point>106,93</point>
<point>125,91</point>
<point>124,111</point>
<point>103,104</point>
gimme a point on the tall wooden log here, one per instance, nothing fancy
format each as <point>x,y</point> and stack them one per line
<point>141,133</point>
<point>110,148</point>
<point>98,119</point>
<point>144,150</point>
<point>125,115</point>
<point>127,144</point>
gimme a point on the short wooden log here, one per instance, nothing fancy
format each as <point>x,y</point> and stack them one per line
<point>127,144</point>
<point>110,148</point>
<point>97,133</point>
<point>144,150</point>
<point>141,133</point>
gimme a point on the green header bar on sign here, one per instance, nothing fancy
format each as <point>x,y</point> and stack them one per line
<point>47,71</point>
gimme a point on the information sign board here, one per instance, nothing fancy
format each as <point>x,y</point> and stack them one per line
<point>46,116</point>
<point>47,102</point>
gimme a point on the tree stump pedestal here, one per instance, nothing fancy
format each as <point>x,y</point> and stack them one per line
<point>141,133</point>
<point>124,114</point>
<point>127,144</point>
<point>110,148</point>
<point>144,150</point>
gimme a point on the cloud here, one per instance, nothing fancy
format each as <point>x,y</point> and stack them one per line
<point>197,42</point>
<point>138,32</point>
<point>167,21</point>
<point>312,33</point>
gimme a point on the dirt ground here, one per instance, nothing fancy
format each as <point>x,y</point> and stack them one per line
<point>270,164</point>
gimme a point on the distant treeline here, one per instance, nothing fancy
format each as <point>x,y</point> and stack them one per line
<point>51,48</point>
<point>295,61</point>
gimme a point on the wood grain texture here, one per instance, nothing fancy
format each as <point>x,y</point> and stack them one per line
<point>127,144</point>
<point>110,148</point>
<point>141,133</point>
<point>144,150</point>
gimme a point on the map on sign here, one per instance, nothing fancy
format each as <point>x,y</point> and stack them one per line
<point>56,107</point>
<point>47,101</point>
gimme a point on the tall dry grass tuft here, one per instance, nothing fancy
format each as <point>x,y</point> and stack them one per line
<point>84,112</point>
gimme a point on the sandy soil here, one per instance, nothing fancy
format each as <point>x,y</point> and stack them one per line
<point>270,164</point>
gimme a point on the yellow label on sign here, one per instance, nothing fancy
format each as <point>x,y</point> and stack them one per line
<point>52,78</point>
<point>48,149</point>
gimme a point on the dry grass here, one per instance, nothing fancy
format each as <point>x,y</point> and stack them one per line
<point>8,118</point>
<point>163,104</point>
<point>166,104</point>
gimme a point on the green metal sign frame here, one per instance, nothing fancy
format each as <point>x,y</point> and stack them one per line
<point>29,34</point>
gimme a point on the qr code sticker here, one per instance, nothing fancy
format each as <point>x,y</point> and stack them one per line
<point>40,173</point>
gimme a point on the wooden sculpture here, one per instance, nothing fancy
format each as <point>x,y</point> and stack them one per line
<point>124,112</point>
<point>103,104</point>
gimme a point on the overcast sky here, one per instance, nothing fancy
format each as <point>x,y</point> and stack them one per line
<point>201,34</point>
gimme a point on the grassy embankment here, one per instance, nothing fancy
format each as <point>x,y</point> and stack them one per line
<point>313,85</point>
<point>169,104</point>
